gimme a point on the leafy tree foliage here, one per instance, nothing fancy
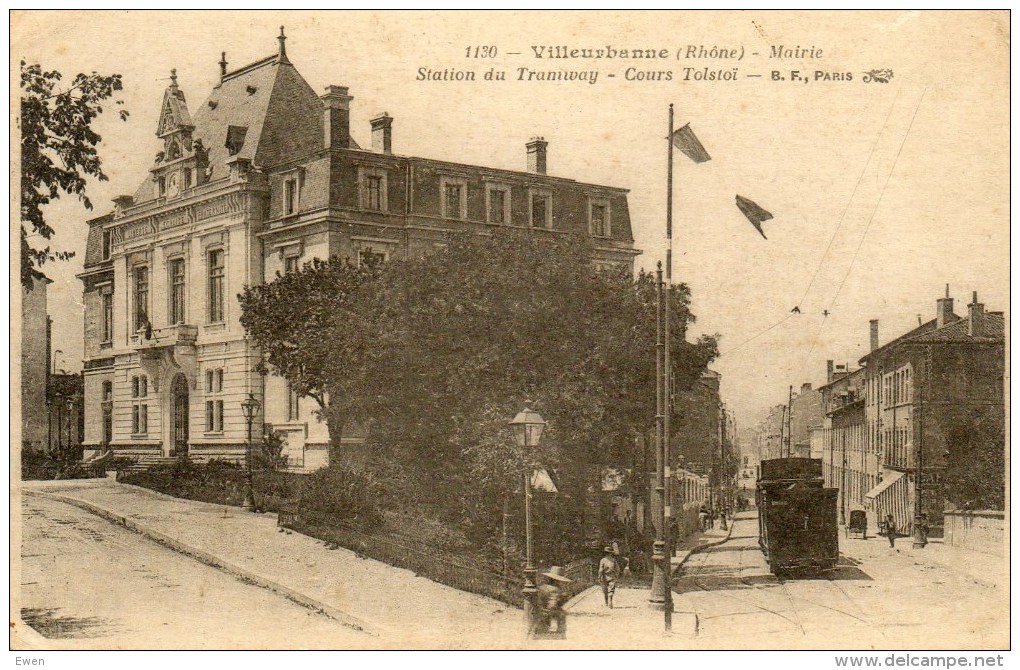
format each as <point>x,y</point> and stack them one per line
<point>58,151</point>
<point>439,352</point>
<point>307,325</point>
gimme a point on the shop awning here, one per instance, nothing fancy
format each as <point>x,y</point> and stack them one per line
<point>883,485</point>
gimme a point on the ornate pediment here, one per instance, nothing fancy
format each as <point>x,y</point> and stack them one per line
<point>174,116</point>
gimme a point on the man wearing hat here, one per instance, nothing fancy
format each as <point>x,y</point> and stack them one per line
<point>609,572</point>
<point>550,603</point>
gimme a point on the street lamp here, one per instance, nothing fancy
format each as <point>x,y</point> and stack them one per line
<point>250,407</point>
<point>69,402</point>
<point>527,427</point>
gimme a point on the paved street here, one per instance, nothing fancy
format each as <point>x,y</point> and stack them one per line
<point>88,581</point>
<point>91,583</point>
<point>876,598</point>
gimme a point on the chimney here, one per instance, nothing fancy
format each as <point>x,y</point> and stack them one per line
<point>382,133</point>
<point>536,155</point>
<point>944,310</point>
<point>975,318</point>
<point>828,371</point>
<point>337,120</point>
<point>874,334</point>
<point>805,388</point>
<point>223,65</point>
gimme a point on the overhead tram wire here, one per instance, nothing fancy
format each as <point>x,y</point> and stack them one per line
<point>850,201</point>
<point>832,238</point>
<point>853,259</point>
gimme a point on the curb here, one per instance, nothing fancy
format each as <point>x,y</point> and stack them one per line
<point>702,547</point>
<point>675,567</point>
<point>211,560</point>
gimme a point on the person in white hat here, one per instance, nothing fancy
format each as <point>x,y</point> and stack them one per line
<point>609,572</point>
<point>550,602</point>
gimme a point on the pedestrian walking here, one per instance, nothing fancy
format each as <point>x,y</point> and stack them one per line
<point>703,518</point>
<point>609,572</point>
<point>890,530</point>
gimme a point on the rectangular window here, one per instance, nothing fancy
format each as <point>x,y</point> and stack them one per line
<point>598,213</point>
<point>107,413</point>
<point>143,387</point>
<point>291,264</point>
<point>141,297</point>
<point>187,179</point>
<point>454,198</point>
<point>216,275</point>
<point>498,204</point>
<point>372,188</point>
<point>214,416</point>
<point>540,213</point>
<point>162,186</point>
<point>107,323</point>
<point>213,405</point>
<point>290,196</point>
<point>369,257</point>
<point>107,245</point>
<point>177,291</point>
<point>373,192</point>
<point>139,419</point>
<point>293,406</point>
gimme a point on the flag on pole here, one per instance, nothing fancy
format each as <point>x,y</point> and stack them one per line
<point>754,213</point>
<point>686,141</point>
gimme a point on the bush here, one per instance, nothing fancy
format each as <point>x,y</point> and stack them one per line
<point>345,495</point>
<point>38,464</point>
<point>220,482</point>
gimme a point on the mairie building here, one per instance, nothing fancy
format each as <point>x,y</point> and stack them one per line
<point>261,177</point>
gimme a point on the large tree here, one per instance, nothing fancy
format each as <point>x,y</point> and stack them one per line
<point>438,353</point>
<point>309,331</point>
<point>58,152</point>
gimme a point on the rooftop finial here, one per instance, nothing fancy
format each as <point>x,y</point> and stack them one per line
<point>173,77</point>
<point>283,47</point>
<point>223,64</point>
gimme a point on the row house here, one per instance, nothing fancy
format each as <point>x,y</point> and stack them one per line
<point>924,413</point>
<point>936,414</point>
<point>259,179</point>
<point>848,462</point>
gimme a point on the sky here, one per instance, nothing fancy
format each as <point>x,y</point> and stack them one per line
<point>882,193</point>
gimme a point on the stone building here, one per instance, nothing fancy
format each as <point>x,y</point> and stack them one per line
<point>849,463</point>
<point>35,365</point>
<point>936,393</point>
<point>258,179</point>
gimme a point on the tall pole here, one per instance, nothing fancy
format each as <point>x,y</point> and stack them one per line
<point>657,596</point>
<point>789,424</point>
<point>249,497</point>
<point>920,531</point>
<point>667,382</point>
<point>529,589</point>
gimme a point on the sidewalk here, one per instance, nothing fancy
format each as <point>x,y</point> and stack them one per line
<point>985,569</point>
<point>396,607</point>
<point>633,623</point>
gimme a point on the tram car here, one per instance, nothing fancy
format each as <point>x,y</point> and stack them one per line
<point>797,519</point>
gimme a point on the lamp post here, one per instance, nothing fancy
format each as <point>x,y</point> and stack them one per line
<point>49,425</point>
<point>250,407</point>
<point>69,403</point>
<point>528,426</point>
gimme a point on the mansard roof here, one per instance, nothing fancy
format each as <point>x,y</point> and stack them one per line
<point>281,116</point>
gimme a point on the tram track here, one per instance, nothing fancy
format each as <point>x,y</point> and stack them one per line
<point>801,608</point>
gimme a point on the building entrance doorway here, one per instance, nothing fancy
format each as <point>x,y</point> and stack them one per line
<point>179,417</point>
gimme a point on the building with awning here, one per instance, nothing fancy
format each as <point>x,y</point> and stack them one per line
<point>890,496</point>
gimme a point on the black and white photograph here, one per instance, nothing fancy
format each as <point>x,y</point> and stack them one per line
<point>511,330</point>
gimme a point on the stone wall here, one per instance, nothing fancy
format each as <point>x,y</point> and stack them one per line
<point>981,531</point>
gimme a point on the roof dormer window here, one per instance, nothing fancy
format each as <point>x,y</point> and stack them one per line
<point>235,139</point>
